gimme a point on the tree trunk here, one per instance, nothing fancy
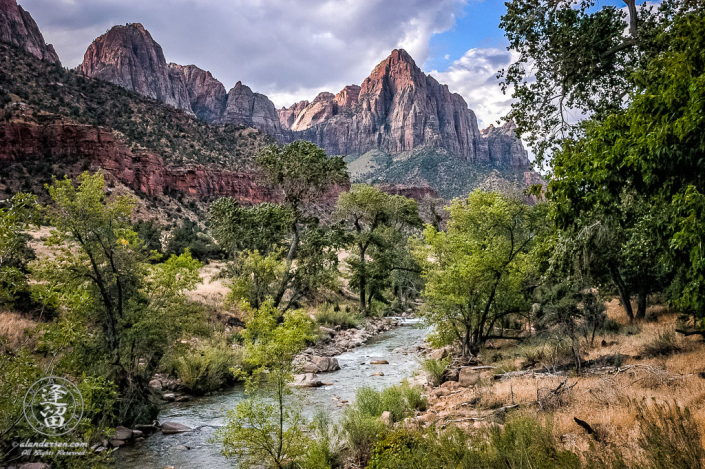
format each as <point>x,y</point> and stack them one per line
<point>641,304</point>
<point>363,280</point>
<point>623,292</point>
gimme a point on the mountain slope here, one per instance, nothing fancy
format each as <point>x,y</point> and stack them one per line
<point>18,28</point>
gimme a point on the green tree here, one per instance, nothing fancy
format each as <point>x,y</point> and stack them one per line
<point>14,251</point>
<point>652,152</point>
<point>575,61</point>
<point>475,271</point>
<point>120,313</point>
<point>268,427</point>
<point>190,236</point>
<point>374,220</point>
<point>301,172</point>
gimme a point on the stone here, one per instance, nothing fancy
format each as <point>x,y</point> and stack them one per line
<point>117,443</point>
<point>325,364</point>
<point>122,433</point>
<point>169,397</point>
<point>155,384</point>
<point>379,362</point>
<point>386,418</point>
<point>439,354</point>
<point>170,428</point>
<point>325,330</point>
<point>469,376</point>
<point>306,380</point>
<point>137,434</point>
<point>379,373</point>
<point>17,27</point>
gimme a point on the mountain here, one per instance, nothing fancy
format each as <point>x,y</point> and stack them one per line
<point>129,57</point>
<point>397,109</point>
<point>18,28</point>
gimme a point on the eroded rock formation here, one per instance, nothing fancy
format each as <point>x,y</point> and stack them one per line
<point>18,28</point>
<point>207,95</point>
<point>128,56</point>
<point>254,109</point>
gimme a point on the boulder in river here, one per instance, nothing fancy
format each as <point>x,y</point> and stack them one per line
<point>306,380</point>
<point>379,362</point>
<point>170,428</point>
<point>325,364</point>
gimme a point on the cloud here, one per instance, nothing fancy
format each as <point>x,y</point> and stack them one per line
<point>287,49</point>
<point>474,77</point>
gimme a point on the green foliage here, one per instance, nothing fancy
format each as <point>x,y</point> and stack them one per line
<point>255,277</point>
<point>209,366</point>
<point>133,311</point>
<point>665,343</point>
<point>329,316</point>
<point>151,235</point>
<point>524,442</point>
<point>575,59</point>
<point>475,271</point>
<point>670,437</point>
<point>655,144</point>
<point>14,251</point>
<point>376,223</point>
<point>302,171</point>
<point>435,369</point>
<point>269,430</point>
<point>324,449</point>
<point>262,228</point>
<point>189,236</point>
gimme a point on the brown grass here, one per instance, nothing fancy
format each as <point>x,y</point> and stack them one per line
<point>15,329</point>
<point>605,398</point>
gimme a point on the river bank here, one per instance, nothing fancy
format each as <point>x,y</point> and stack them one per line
<point>194,450</point>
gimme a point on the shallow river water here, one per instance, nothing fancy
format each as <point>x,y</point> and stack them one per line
<point>193,450</point>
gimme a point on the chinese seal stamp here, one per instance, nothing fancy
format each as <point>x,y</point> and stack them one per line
<point>53,406</point>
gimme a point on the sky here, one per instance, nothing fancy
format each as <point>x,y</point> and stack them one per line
<point>291,50</point>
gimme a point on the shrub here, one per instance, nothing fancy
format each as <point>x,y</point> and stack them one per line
<point>435,369</point>
<point>208,367</point>
<point>670,437</point>
<point>323,451</point>
<point>360,431</point>
<point>330,316</point>
<point>665,343</point>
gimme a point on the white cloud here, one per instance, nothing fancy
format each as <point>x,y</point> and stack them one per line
<point>474,77</point>
<point>287,49</point>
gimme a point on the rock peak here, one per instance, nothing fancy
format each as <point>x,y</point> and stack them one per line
<point>17,27</point>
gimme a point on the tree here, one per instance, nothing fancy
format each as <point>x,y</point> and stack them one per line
<point>475,271</point>
<point>14,251</point>
<point>576,61</point>
<point>267,428</point>
<point>190,236</point>
<point>374,219</point>
<point>301,173</point>
<point>120,313</point>
<point>651,153</point>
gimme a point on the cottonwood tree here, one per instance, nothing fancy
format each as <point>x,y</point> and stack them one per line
<point>374,221</point>
<point>576,61</point>
<point>21,213</point>
<point>646,161</point>
<point>268,427</point>
<point>475,270</point>
<point>120,314</point>
<point>301,174</point>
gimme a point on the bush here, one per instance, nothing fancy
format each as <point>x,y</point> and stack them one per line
<point>670,437</point>
<point>435,369</point>
<point>330,316</point>
<point>665,343</point>
<point>523,443</point>
<point>360,431</point>
<point>323,451</point>
<point>208,367</point>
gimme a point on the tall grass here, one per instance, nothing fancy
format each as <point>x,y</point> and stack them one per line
<point>208,367</point>
<point>435,369</point>
<point>331,316</point>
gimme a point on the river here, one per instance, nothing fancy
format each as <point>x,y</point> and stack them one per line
<point>193,450</point>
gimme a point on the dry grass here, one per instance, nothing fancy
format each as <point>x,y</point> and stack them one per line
<point>14,330</point>
<point>605,398</point>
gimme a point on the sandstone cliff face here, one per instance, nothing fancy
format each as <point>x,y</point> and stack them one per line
<point>128,56</point>
<point>504,147</point>
<point>287,116</point>
<point>18,28</point>
<point>397,109</point>
<point>142,170</point>
<point>207,95</point>
<point>254,109</point>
